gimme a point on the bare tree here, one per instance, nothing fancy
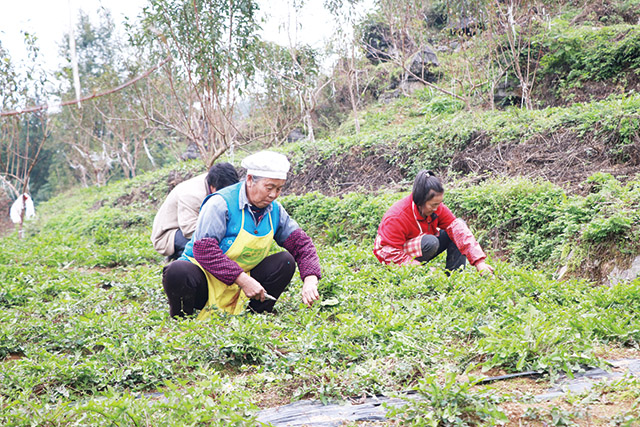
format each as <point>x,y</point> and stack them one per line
<point>106,134</point>
<point>347,47</point>
<point>307,86</point>
<point>516,20</point>
<point>21,136</point>
<point>509,27</point>
<point>287,92</point>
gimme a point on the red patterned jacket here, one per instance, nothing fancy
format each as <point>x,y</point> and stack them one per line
<point>402,228</point>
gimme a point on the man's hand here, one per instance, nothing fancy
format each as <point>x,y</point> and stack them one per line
<point>484,268</point>
<point>251,287</point>
<point>310,290</point>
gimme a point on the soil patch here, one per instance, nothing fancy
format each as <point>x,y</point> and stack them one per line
<point>550,95</point>
<point>561,157</point>
<point>356,170</point>
<point>605,12</point>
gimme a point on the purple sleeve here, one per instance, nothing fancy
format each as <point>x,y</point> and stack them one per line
<point>304,252</point>
<point>209,255</point>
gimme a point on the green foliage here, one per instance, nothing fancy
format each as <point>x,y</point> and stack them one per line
<point>588,53</point>
<point>215,40</point>
<point>603,228</point>
<point>449,403</point>
<point>91,345</point>
<point>340,219</point>
<point>436,14</point>
<point>444,105</point>
<point>534,339</point>
<point>182,403</point>
<point>97,49</point>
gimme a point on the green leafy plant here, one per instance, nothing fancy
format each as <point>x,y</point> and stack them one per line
<point>448,403</point>
<point>615,226</point>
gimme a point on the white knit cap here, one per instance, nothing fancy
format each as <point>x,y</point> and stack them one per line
<point>267,164</point>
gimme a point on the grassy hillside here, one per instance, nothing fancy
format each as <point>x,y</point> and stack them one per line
<point>584,61</point>
<point>85,336</point>
<point>86,339</point>
<point>564,145</point>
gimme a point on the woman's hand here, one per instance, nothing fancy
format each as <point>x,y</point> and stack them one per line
<point>310,290</point>
<point>484,268</point>
<point>251,287</point>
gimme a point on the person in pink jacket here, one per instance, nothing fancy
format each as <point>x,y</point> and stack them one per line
<point>419,227</point>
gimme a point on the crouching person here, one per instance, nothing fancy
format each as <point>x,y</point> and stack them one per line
<point>226,262</point>
<point>419,227</point>
<point>176,219</point>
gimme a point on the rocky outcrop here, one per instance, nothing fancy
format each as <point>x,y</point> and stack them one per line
<point>423,65</point>
<point>619,274</point>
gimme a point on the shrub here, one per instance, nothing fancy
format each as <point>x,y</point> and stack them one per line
<point>449,403</point>
<point>589,53</point>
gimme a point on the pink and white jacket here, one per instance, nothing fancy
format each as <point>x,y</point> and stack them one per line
<point>402,227</point>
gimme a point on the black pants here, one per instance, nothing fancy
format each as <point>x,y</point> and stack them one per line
<point>432,246</point>
<point>186,285</point>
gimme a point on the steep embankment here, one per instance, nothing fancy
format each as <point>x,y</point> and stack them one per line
<point>583,64</point>
<point>564,145</point>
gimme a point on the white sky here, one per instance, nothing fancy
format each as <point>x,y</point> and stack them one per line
<point>49,20</point>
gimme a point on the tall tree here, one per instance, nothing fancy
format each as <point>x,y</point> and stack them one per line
<point>213,44</point>
<point>22,136</point>
<point>107,135</point>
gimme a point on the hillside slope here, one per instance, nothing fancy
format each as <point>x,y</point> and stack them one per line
<point>552,194</point>
<point>85,336</point>
<point>563,145</point>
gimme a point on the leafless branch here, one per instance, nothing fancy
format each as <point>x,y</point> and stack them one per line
<point>89,97</point>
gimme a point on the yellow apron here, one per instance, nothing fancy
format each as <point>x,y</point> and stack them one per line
<point>248,251</point>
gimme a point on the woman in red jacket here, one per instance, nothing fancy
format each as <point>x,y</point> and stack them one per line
<point>419,227</point>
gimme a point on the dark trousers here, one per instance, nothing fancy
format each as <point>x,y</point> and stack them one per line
<point>179,243</point>
<point>186,285</point>
<point>432,246</point>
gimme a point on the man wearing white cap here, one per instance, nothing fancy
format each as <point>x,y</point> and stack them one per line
<point>226,263</point>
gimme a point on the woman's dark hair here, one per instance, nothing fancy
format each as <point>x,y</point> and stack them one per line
<point>222,175</point>
<point>425,187</point>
